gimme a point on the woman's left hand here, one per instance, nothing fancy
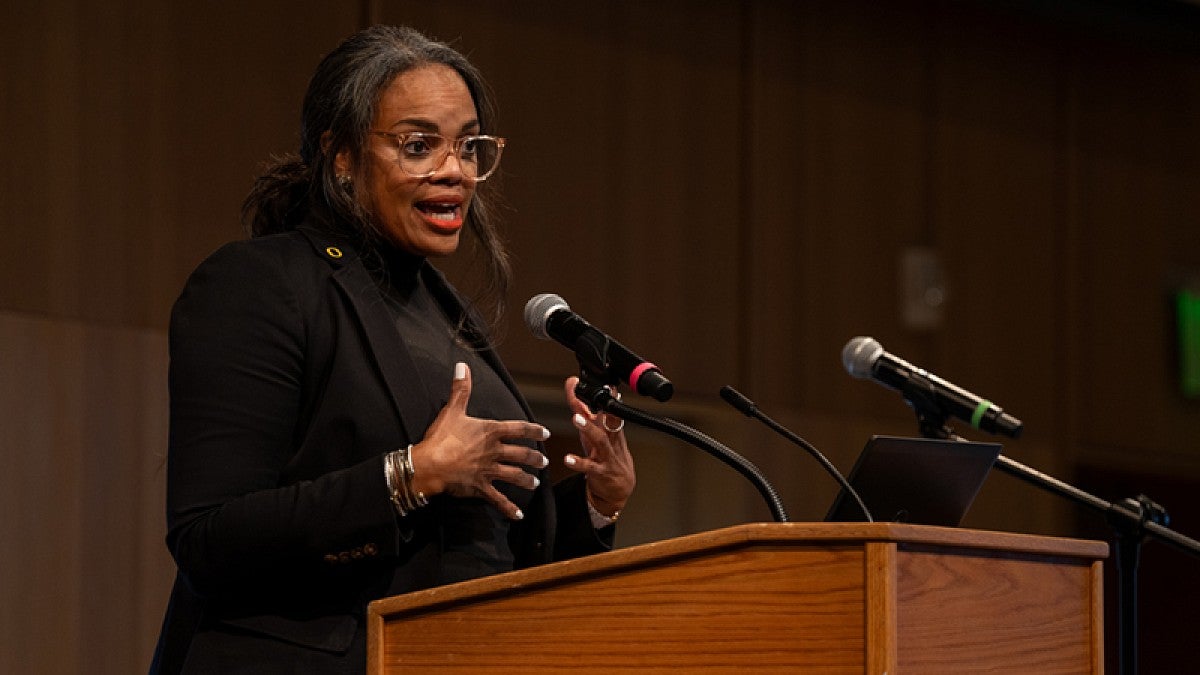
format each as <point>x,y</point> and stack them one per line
<point>606,461</point>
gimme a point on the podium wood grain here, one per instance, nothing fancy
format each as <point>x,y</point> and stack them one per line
<point>877,598</point>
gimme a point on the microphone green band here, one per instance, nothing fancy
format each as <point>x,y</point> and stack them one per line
<point>978,414</point>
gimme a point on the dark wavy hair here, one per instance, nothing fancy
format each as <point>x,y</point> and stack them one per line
<point>341,99</point>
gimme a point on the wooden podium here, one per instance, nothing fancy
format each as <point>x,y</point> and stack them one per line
<point>791,597</point>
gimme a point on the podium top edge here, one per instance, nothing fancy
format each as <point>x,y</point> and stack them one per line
<point>749,535</point>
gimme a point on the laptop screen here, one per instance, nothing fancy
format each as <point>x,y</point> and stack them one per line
<point>915,480</point>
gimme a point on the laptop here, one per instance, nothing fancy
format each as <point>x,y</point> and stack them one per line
<point>915,480</point>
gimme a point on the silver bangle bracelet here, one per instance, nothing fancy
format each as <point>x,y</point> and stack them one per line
<point>398,472</point>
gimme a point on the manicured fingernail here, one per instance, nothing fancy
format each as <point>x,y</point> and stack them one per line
<point>545,461</point>
<point>536,482</point>
<point>460,371</point>
<point>579,421</point>
<point>569,460</point>
<point>545,433</point>
<point>519,515</point>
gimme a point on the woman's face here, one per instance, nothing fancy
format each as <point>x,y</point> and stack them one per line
<point>420,215</point>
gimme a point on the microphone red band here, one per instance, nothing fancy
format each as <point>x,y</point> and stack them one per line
<point>637,372</point>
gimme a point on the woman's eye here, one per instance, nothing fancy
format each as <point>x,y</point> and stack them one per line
<point>416,147</point>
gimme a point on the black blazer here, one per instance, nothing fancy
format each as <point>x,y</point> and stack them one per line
<point>288,382</point>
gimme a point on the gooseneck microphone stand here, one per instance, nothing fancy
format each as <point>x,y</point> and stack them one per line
<point>1133,520</point>
<point>598,397</point>
<point>747,407</point>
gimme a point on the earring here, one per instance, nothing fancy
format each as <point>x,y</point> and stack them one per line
<point>344,180</point>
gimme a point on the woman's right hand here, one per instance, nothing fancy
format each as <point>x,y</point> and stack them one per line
<point>462,455</point>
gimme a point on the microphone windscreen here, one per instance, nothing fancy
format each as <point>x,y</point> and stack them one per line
<point>859,356</point>
<point>538,311</point>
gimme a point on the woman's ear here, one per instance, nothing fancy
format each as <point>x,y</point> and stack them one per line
<point>341,162</point>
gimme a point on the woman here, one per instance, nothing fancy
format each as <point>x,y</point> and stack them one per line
<point>341,429</point>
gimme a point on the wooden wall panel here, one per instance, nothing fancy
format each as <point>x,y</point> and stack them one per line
<point>679,200</point>
<point>139,127</point>
<point>1138,181</point>
<point>40,550</point>
<point>82,446</point>
<point>997,180</point>
<point>997,210</point>
<point>837,188</point>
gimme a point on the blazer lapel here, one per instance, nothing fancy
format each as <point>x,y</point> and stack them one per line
<point>390,353</point>
<point>387,350</point>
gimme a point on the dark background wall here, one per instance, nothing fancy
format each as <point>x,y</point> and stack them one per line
<point>734,189</point>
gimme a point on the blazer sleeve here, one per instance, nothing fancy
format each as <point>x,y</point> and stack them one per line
<point>237,346</point>
<point>576,536</point>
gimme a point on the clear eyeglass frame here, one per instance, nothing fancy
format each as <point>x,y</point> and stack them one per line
<point>455,147</point>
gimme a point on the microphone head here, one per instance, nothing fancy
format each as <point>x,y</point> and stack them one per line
<point>859,356</point>
<point>738,400</point>
<point>538,311</point>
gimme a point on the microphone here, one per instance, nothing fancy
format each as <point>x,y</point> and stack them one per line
<point>549,316</point>
<point>864,358</point>
<point>745,406</point>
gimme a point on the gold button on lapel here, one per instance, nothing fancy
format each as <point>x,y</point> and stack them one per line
<point>333,252</point>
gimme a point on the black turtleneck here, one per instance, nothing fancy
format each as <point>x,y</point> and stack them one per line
<point>473,534</point>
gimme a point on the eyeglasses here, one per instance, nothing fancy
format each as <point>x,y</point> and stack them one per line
<point>422,154</point>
